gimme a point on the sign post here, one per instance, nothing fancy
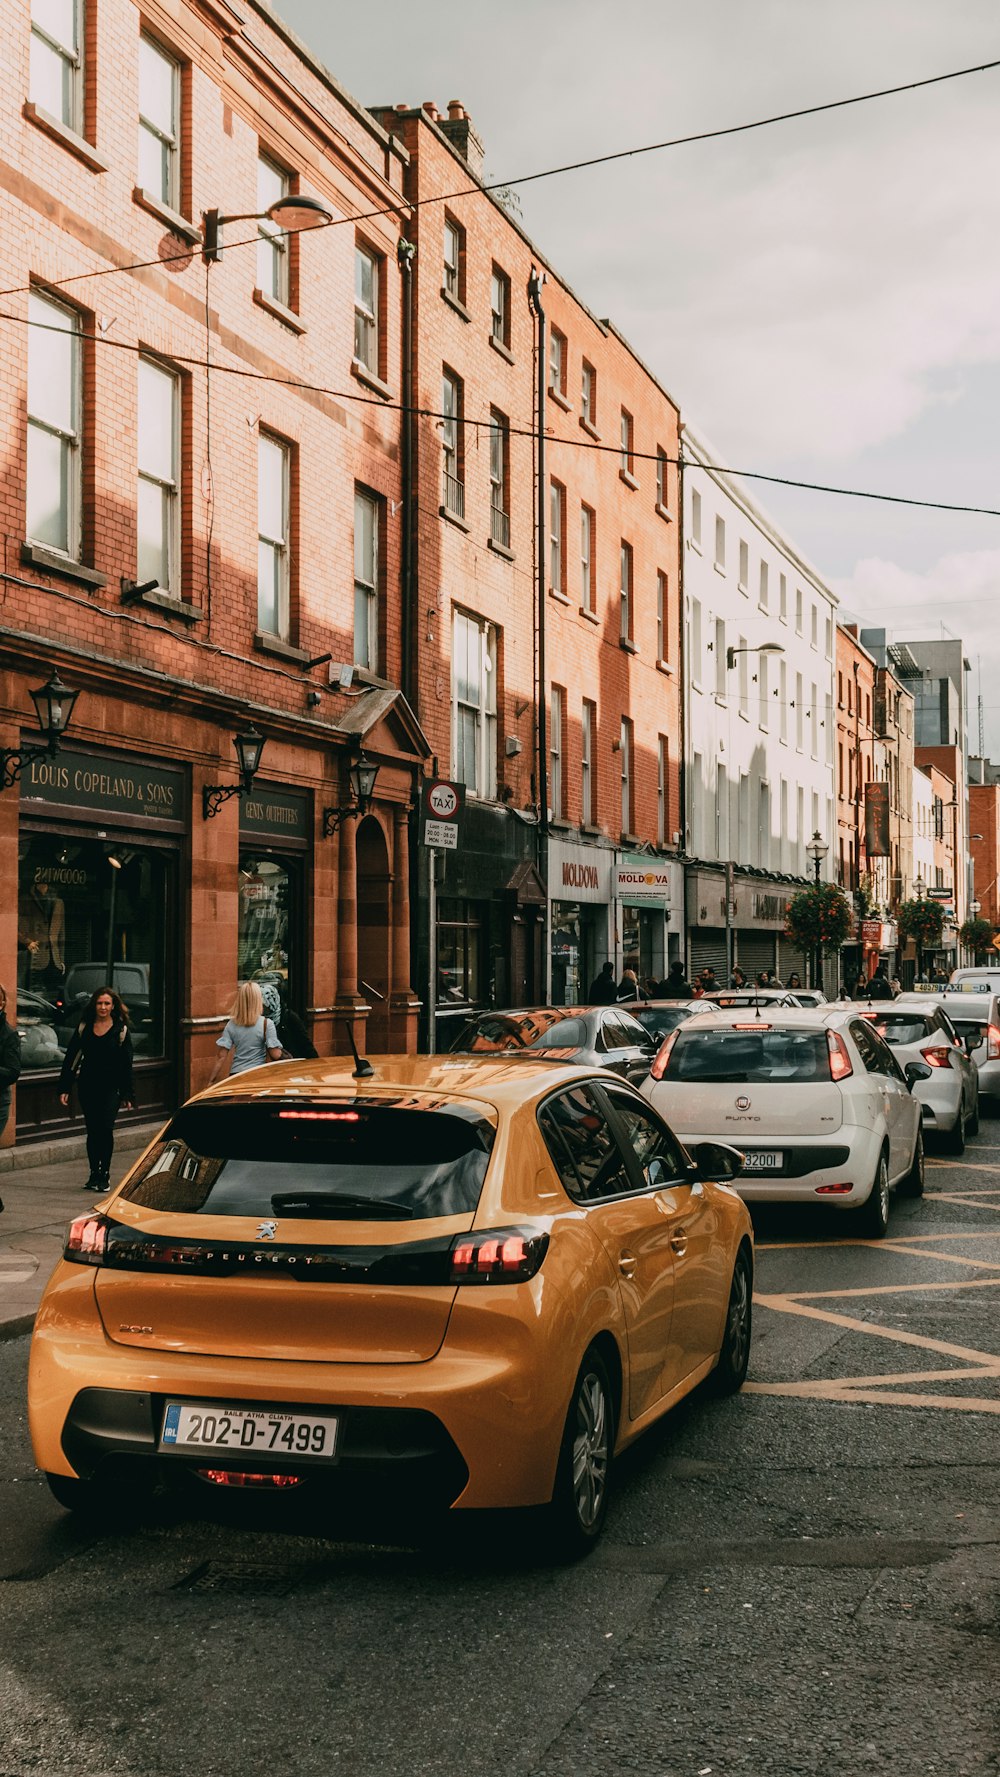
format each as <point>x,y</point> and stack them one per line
<point>441,807</point>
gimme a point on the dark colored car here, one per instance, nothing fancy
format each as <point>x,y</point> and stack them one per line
<point>595,1036</point>
<point>660,1017</point>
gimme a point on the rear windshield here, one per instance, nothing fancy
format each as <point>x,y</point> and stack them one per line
<point>529,1030</point>
<point>357,1161</point>
<point>661,1023</point>
<point>745,1055</point>
<point>898,1027</point>
<point>970,1027</point>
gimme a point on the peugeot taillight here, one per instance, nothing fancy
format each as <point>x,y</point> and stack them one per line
<point>87,1240</point>
<point>501,1255</point>
<point>662,1056</point>
<point>938,1056</point>
<point>992,1043</point>
<point>840,1060</point>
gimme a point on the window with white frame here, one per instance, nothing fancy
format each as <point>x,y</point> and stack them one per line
<point>557,536</point>
<point>744,565</point>
<point>272,244</point>
<point>763,593</point>
<point>158,503</point>
<point>54,472</point>
<point>744,677</point>
<point>366,540</point>
<point>55,78</point>
<point>661,480</point>
<point>814,721</point>
<point>454,259</point>
<point>557,799</point>
<point>588,586</point>
<point>499,479</point>
<point>798,610</point>
<point>695,650</point>
<point>765,690</point>
<point>662,615</point>
<point>588,398</point>
<point>500,306</point>
<point>799,712</point>
<point>783,598</point>
<point>721,812</point>
<point>663,791</point>
<point>588,787</point>
<point>783,699</point>
<point>159,122</point>
<point>627,444</point>
<point>720,542</point>
<point>696,517</point>
<point>813,626</point>
<point>273,545</point>
<point>719,649</point>
<point>625,756</point>
<point>625,580</point>
<point>452,444</point>
<point>366,300</point>
<point>557,362</point>
<point>474,704</point>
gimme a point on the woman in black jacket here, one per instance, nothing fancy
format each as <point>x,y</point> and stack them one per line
<point>10,1059</point>
<point>99,1057</point>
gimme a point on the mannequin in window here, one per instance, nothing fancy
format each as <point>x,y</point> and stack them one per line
<point>41,925</point>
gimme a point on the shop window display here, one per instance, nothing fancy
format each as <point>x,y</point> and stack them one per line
<point>266,899</point>
<point>89,914</point>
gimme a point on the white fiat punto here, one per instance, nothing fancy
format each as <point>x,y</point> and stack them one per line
<point>815,1100</point>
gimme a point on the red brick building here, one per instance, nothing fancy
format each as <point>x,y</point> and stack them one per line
<point>560,804</point>
<point>984,844</point>
<point>202,489</point>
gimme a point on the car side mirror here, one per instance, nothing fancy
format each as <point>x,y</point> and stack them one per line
<point>972,1041</point>
<point>714,1160</point>
<point>914,1071</point>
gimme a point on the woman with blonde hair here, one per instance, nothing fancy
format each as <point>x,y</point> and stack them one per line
<point>249,1038</point>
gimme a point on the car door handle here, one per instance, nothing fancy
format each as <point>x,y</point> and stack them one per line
<point>626,1264</point>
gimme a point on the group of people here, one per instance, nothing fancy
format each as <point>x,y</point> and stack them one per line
<point>605,990</point>
<point>261,1027</point>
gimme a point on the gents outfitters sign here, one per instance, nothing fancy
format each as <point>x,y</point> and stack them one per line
<point>877,820</point>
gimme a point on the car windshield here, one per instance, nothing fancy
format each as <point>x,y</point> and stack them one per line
<point>900,1027</point>
<point>661,1022</point>
<point>520,1030</point>
<point>745,1055</point>
<point>357,1160</point>
<point>965,1027</point>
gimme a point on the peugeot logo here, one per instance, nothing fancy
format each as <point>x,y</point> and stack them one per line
<point>266,1230</point>
<point>743,1103</point>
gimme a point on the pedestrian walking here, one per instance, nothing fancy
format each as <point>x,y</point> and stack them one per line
<point>628,986</point>
<point>10,1059</point>
<point>602,988</point>
<point>292,1034</point>
<point>708,981</point>
<point>249,1038</point>
<point>794,981</point>
<point>99,1058</point>
<point>676,985</point>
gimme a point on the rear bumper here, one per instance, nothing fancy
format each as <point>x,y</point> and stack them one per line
<point>809,1162</point>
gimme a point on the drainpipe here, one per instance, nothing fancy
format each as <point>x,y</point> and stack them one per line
<point>535,282</point>
<point>406,253</point>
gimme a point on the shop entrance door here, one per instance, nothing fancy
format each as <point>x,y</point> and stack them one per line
<point>374,930</point>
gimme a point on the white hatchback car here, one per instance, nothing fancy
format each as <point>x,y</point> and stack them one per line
<point>815,1100</point>
<point>975,1014</point>
<point>917,1028</point>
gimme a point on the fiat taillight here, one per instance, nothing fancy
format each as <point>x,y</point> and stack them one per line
<point>938,1056</point>
<point>840,1060</point>
<point>992,1043</point>
<point>659,1066</point>
<point>501,1255</point>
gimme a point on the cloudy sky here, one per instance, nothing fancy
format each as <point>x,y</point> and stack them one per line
<point>822,297</point>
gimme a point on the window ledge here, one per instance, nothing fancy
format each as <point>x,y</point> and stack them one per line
<point>741,586</point>
<point>626,643</point>
<point>454,303</point>
<point>504,350</point>
<point>588,827</point>
<point>51,562</point>
<point>693,543</point>
<point>591,616</point>
<point>269,644</point>
<point>556,592</point>
<point>559,398</point>
<point>500,549</point>
<point>362,374</point>
<point>631,839</point>
<point>664,512</point>
<point>720,568</point>
<point>60,132</point>
<point>560,824</point>
<point>453,518</point>
<point>591,431</point>
<point>280,311</point>
<point>159,600</point>
<point>176,223</point>
<point>628,478</point>
<point>664,666</point>
<point>744,715</point>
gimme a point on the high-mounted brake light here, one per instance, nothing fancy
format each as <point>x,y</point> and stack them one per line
<point>757,1025</point>
<point>938,1056</point>
<point>992,1043</point>
<point>662,1056</point>
<point>504,1255</point>
<point>87,1239</point>
<point>840,1060</point>
<point>318,1117</point>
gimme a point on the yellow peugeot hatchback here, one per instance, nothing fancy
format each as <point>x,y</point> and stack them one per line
<point>459,1282</point>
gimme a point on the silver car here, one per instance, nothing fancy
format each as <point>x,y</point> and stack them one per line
<point>976,1018</point>
<point>917,1028</point>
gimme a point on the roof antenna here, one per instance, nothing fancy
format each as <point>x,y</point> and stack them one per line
<point>363,1069</point>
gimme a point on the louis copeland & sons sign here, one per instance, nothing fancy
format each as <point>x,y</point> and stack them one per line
<point>103,786</point>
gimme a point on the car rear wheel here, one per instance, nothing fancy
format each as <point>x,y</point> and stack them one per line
<point>913,1184</point>
<point>580,1497</point>
<point>954,1141</point>
<point>873,1216</point>
<point>734,1353</point>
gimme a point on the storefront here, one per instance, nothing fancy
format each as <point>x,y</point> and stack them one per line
<point>647,893</point>
<point>98,897</point>
<point>581,888</point>
<point>756,923</point>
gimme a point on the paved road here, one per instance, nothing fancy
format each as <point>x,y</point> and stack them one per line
<point>802,1580</point>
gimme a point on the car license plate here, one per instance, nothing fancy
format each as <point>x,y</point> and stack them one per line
<point>208,1425</point>
<point>767,1161</point>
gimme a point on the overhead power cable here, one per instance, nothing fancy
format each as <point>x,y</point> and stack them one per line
<point>551,438</point>
<point>574,166</point>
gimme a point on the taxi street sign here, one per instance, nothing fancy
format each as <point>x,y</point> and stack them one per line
<point>441,806</point>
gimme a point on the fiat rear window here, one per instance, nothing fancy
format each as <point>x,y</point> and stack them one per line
<point>741,1056</point>
<point>354,1161</point>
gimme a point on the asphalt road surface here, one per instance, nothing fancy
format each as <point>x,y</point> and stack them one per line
<point>800,1580</point>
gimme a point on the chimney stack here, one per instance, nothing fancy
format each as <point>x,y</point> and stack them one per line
<point>458,128</point>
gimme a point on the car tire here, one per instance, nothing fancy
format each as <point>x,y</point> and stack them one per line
<point>729,1374</point>
<point>579,1503</point>
<point>954,1141</point>
<point>913,1184</point>
<point>873,1216</point>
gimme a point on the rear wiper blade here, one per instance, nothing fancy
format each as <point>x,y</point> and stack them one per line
<point>320,1203</point>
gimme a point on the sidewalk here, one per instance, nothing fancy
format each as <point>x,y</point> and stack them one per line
<point>39,1203</point>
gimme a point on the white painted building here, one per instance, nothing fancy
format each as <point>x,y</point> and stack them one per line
<point>759,714</point>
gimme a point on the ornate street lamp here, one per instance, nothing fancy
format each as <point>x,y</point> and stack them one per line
<point>361,775</point>
<point>53,703</point>
<point>249,746</point>
<point>816,850</point>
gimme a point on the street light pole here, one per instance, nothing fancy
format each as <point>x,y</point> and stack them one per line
<point>817,850</point>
